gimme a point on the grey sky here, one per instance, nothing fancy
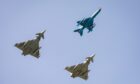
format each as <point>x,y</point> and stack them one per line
<point>115,40</point>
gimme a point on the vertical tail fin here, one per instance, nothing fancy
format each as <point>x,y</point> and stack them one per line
<point>41,34</point>
<point>80,31</point>
<point>92,57</point>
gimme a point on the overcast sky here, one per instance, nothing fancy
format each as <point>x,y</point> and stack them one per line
<point>115,40</point>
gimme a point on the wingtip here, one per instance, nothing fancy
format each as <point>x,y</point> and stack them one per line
<point>15,45</point>
<point>66,68</point>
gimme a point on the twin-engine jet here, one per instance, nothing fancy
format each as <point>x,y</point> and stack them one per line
<point>87,23</point>
<point>31,46</point>
<point>80,70</point>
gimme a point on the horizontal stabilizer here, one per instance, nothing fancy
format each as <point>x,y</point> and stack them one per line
<point>80,31</point>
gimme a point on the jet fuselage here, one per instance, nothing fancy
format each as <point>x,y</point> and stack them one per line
<point>86,23</point>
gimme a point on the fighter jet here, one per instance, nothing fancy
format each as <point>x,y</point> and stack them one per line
<point>80,70</point>
<point>31,46</point>
<point>87,23</point>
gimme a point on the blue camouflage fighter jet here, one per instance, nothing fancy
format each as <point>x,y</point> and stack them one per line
<point>87,23</point>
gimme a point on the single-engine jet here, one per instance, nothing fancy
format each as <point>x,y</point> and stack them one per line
<point>31,46</point>
<point>87,23</point>
<point>80,70</point>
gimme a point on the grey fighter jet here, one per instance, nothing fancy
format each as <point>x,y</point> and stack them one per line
<point>31,46</point>
<point>87,23</point>
<point>80,70</point>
